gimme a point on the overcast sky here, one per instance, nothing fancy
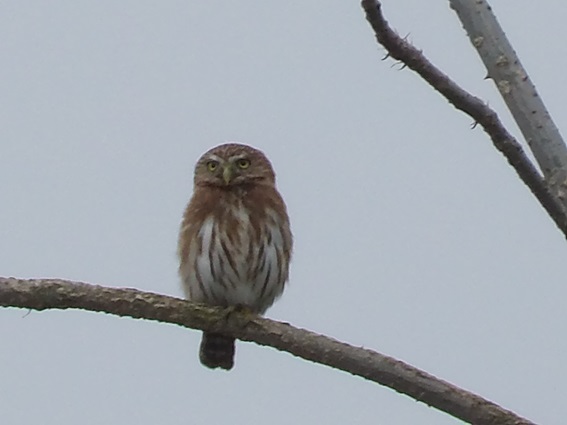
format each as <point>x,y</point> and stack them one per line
<point>413,236</point>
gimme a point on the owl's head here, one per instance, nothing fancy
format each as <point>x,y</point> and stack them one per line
<point>233,164</point>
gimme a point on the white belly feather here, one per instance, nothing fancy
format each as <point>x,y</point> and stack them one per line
<point>252,278</point>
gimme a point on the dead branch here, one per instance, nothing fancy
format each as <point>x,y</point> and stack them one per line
<point>43,294</point>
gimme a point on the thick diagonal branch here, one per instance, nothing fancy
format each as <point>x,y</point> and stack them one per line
<point>514,84</point>
<point>400,49</point>
<point>43,294</point>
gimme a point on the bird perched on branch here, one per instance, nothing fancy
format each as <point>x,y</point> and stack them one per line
<point>235,240</point>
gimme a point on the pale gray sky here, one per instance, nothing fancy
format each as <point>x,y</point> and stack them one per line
<point>413,235</point>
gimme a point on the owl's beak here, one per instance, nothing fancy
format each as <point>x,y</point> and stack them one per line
<point>227,173</point>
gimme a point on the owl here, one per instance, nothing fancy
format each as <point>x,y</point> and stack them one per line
<point>235,240</point>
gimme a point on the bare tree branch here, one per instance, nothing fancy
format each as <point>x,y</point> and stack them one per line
<point>515,86</point>
<point>42,294</point>
<point>400,49</point>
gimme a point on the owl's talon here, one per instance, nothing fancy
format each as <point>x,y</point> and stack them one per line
<point>246,314</point>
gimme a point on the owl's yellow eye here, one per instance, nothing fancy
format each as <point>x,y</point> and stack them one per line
<point>243,163</point>
<point>212,165</point>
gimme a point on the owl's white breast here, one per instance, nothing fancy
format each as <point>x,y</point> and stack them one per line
<point>224,271</point>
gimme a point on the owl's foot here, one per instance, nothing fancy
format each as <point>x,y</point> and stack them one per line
<point>244,314</point>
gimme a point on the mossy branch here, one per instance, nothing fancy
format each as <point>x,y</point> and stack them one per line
<point>44,294</point>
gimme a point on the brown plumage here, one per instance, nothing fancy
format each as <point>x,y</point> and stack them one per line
<point>235,241</point>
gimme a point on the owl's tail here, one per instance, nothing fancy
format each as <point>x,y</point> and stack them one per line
<point>217,351</point>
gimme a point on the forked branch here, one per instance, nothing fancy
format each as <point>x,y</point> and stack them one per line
<point>400,49</point>
<point>513,82</point>
<point>43,294</point>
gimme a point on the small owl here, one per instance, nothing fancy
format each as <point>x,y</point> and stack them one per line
<point>235,240</point>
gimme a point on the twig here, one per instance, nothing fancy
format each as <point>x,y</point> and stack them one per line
<point>42,294</point>
<point>402,50</point>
